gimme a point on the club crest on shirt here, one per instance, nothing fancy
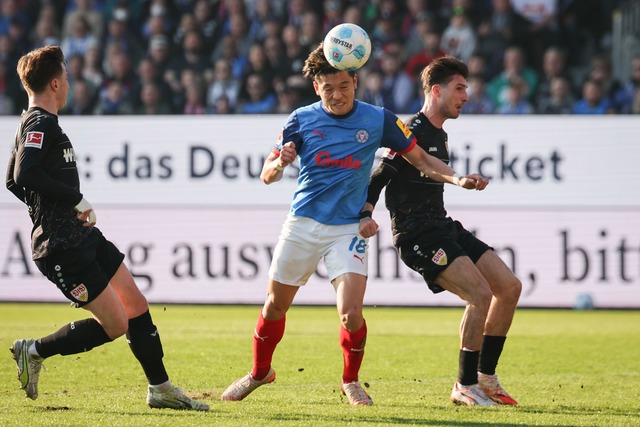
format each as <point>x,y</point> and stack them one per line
<point>362,136</point>
<point>34,139</point>
<point>440,258</point>
<point>80,293</point>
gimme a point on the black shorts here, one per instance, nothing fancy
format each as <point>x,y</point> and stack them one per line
<point>82,273</point>
<point>434,250</point>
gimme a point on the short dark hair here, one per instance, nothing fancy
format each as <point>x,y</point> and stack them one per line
<point>38,67</point>
<point>316,65</point>
<point>441,71</point>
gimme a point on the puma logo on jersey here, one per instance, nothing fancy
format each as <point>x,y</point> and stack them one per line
<point>361,259</point>
<point>69,155</point>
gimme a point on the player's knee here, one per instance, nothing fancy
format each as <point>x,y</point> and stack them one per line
<point>352,319</point>
<point>514,290</point>
<point>482,298</point>
<point>117,327</point>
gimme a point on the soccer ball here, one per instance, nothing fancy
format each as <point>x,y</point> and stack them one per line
<point>347,47</point>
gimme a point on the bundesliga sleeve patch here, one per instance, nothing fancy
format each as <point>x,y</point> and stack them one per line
<point>34,139</point>
<point>405,130</point>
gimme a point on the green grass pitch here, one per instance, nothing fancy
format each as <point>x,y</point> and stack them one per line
<point>566,368</point>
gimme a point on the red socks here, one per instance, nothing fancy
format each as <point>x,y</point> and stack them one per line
<point>352,344</point>
<point>266,337</point>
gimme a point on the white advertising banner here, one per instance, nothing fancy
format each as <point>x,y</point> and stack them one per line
<point>181,197</point>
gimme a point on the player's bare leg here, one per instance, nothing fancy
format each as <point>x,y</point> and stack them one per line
<point>465,280</point>
<point>268,333</point>
<point>350,289</point>
<point>506,290</point>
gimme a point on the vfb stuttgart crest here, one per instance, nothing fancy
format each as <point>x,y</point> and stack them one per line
<point>362,136</point>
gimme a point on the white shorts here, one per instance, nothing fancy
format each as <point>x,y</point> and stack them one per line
<point>303,242</point>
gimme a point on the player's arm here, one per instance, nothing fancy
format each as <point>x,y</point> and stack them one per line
<point>405,143</point>
<point>283,153</point>
<point>439,171</point>
<point>29,175</point>
<point>277,161</point>
<point>10,182</point>
<point>379,179</point>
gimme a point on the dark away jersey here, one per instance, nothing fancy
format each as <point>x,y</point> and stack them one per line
<point>415,201</point>
<point>42,173</point>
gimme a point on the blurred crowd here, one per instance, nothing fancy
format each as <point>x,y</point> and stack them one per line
<point>246,56</point>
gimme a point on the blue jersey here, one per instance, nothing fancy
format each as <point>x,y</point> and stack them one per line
<point>336,155</point>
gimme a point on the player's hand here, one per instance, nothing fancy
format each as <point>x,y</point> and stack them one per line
<point>368,227</point>
<point>473,181</point>
<point>86,213</point>
<point>288,153</point>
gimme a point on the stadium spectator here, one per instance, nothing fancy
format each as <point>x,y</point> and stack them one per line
<point>84,9</point>
<point>11,11</point>
<point>151,102</point>
<point>430,50</point>
<point>186,25</point>
<point>70,251</point>
<point>289,98</point>
<point>560,99</point>
<point>224,84</point>
<point>327,205</point>
<point>118,33</point>
<point>513,66</point>
<point>478,66</point>
<point>147,73</point>
<point>160,53</point>
<point>554,64</point>
<point>294,51</point>
<point>538,27</point>
<point>83,101</point>
<point>625,97</point>
<point>479,101</point>
<point>192,55</point>
<point>239,31</point>
<point>222,106</point>
<point>295,10</point>
<point>265,19</point>
<point>206,22</point>
<point>495,33</point>
<point>257,63</point>
<point>516,98</point>
<point>602,72</point>
<point>7,106</point>
<point>459,38</point>
<point>114,100</point>
<point>397,83</point>
<point>275,53</point>
<point>635,107</point>
<point>195,102</point>
<point>260,98</point>
<point>594,99</point>
<point>372,92</point>
<point>417,12</point>
<point>333,15</point>
<point>45,33</point>
<point>228,49</point>
<point>310,31</point>
<point>92,71</point>
<point>447,255</point>
<point>79,39</point>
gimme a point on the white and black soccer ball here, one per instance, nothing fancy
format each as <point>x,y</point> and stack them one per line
<point>347,47</point>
